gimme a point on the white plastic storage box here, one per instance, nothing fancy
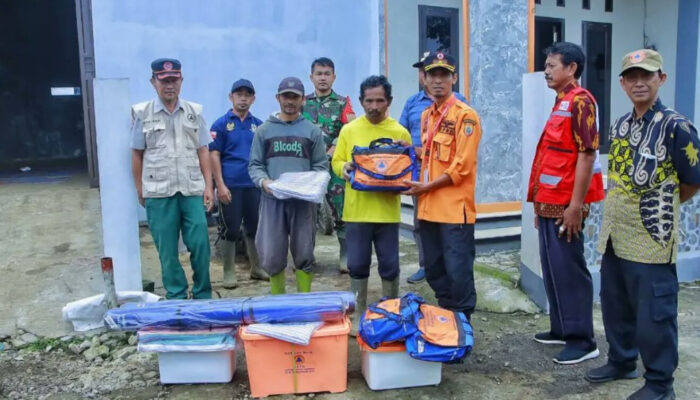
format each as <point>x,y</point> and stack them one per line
<point>192,356</point>
<point>390,367</point>
<point>197,367</point>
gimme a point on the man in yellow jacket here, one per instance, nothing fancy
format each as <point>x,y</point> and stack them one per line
<point>370,217</point>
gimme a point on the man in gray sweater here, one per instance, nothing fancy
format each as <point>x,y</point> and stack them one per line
<point>286,142</point>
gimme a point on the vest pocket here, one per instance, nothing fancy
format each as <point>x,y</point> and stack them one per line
<point>553,170</point>
<point>196,181</point>
<point>155,181</point>
<point>554,129</point>
<point>191,135</point>
<point>155,135</point>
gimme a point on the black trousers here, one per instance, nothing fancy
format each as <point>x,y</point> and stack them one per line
<point>640,308</point>
<point>448,250</point>
<point>244,207</point>
<point>359,237</point>
<point>568,284</point>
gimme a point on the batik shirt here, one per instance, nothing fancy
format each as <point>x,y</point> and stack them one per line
<point>649,157</point>
<point>329,113</point>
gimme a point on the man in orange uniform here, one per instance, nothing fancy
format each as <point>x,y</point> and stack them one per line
<point>450,134</point>
<point>564,181</point>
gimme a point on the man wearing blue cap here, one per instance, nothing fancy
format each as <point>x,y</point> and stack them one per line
<point>239,199</point>
<point>171,169</point>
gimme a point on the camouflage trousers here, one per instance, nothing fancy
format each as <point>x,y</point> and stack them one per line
<point>335,196</point>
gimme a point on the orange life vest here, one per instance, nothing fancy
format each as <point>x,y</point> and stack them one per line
<point>554,168</point>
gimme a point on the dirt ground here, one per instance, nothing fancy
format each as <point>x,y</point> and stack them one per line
<point>505,364</point>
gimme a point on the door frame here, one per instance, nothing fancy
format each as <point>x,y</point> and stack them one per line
<point>86,49</point>
<point>604,145</point>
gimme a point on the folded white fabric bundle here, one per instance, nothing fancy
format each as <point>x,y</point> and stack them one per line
<point>309,186</point>
<point>292,333</point>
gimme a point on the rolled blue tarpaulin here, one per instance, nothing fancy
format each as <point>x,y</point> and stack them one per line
<point>200,314</point>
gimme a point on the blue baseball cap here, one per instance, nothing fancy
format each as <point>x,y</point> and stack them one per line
<point>242,83</point>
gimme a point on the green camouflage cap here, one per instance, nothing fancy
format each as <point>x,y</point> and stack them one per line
<point>645,59</point>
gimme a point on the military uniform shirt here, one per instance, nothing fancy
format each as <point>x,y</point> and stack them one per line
<point>329,113</point>
<point>649,157</point>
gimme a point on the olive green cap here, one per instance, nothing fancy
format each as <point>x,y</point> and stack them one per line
<point>645,59</point>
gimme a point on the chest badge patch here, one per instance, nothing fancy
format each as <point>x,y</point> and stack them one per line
<point>190,117</point>
<point>564,105</point>
<point>230,126</point>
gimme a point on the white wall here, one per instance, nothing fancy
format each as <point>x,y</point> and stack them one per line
<point>219,41</point>
<point>628,28</point>
<point>402,42</point>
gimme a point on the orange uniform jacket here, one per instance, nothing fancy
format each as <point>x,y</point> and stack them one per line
<point>453,152</point>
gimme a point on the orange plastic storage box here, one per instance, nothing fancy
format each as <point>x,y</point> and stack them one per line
<point>278,367</point>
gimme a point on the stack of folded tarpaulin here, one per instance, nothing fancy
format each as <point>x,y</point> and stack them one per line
<point>203,332</point>
<point>309,186</point>
<point>430,333</point>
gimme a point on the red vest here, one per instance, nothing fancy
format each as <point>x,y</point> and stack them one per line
<point>554,168</point>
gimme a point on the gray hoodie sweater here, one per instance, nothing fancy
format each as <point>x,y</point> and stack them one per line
<point>280,146</point>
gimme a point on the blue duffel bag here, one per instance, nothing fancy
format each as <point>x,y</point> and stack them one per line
<point>390,320</point>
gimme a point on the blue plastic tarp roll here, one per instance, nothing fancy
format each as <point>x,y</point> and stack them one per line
<point>199,314</point>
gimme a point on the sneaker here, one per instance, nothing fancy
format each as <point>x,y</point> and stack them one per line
<point>570,356</point>
<point>419,276</point>
<point>548,338</point>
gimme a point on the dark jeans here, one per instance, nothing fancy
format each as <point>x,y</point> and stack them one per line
<point>640,308</point>
<point>244,207</point>
<point>359,237</point>
<point>449,264</point>
<point>568,284</point>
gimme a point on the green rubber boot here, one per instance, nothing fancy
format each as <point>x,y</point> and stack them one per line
<point>228,250</point>
<point>390,288</point>
<point>359,288</point>
<point>304,281</point>
<point>277,283</point>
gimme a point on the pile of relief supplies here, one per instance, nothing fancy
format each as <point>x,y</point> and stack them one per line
<point>405,341</point>
<point>196,340</point>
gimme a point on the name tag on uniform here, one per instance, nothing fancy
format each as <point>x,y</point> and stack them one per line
<point>563,106</point>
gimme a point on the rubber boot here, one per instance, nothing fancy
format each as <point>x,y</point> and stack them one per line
<point>343,256</point>
<point>277,283</point>
<point>304,281</point>
<point>255,271</point>
<point>228,250</point>
<point>390,289</point>
<point>359,288</point>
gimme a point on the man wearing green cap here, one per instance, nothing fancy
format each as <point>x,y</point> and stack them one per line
<point>170,164</point>
<point>653,168</point>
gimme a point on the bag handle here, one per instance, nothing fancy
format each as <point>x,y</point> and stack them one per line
<point>382,141</point>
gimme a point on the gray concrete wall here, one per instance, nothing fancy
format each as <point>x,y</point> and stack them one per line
<point>498,59</point>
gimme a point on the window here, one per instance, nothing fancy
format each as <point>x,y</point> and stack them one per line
<point>586,4</point>
<point>538,1</point>
<point>439,31</point>
<point>561,3</point>
<point>608,5</point>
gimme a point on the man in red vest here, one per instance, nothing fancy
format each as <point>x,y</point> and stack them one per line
<point>564,180</point>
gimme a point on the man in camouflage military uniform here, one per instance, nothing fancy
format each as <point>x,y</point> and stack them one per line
<point>330,111</point>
